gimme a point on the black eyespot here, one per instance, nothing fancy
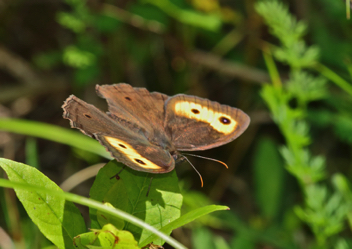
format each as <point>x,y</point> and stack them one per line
<point>128,98</point>
<point>225,120</point>
<point>87,116</point>
<point>195,111</point>
<point>123,146</point>
<point>139,161</point>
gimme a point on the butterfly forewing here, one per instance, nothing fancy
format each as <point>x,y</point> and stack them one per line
<point>135,105</point>
<point>125,142</point>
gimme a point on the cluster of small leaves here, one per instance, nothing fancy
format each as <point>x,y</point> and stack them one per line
<point>324,212</point>
<point>302,165</point>
<point>87,50</point>
<point>342,185</point>
<point>107,237</point>
<point>77,19</point>
<point>305,87</point>
<point>289,31</point>
<point>84,54</point>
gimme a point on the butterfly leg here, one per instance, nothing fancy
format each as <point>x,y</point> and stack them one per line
<point>117,175</point>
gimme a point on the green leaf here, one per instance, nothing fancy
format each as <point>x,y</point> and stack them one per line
<point>57,219</point>
<point>195,199</point>
<point>306,87</point>
<point>150,12</point>
<point>206,21</point>
<point>107,237</point>
<point>185,219</point>
<point>243,240</point>
<point>210,22</point>
<point>78,58</point>
<point>128,193</point>
<point>324,212</point>
<point>106,24</point>
<point>53,133</point>
<point>71,21</point>
<point>202,238</point>
<point>269,177</point>
<point>92,204</point>
<point>281,23</point>
<point>32,152</point>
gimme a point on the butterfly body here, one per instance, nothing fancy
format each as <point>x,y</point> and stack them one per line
<point>145,130</point>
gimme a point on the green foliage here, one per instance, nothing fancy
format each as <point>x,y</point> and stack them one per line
<point>53,215</point>
<point>197,47</point>
<point>77,58</point>
<point>154,15</point>
<point>161,208</point>
<point>71,22</point>
<point>53,133</point>
<point>323,211</point>
<point>49,209</point>
<point>206,21</point>
<point>284,26</point>
<point>107,237</point>
<point>305,87</point>
<point>290,32</point>
<point>203,238</point>
<point>185,219</point>
<point>269,178</point>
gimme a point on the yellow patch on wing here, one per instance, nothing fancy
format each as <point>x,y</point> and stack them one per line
<point>219,121</point>
<point>131,153</point>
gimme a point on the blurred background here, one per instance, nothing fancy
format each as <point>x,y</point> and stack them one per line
<point>50,49</point>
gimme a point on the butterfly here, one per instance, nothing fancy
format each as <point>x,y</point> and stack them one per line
<point>146,130</point>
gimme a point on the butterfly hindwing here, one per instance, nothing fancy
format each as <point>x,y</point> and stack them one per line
<point>138,155</point>
<point>198,124</point>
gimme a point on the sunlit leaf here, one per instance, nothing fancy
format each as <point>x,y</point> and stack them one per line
<point>128,192</point>
<point>57,219</point>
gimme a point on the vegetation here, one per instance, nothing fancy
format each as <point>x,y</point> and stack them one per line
<point>288,65</point>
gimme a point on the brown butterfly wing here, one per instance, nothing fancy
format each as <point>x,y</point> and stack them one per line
<point>198,124</point>
<point>124,141</point>
<point>136,106</point>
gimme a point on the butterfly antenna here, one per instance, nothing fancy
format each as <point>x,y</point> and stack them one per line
<point>211,159</point>
<point>201,179</point>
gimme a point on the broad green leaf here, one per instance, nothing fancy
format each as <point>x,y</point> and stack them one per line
<point>104,218</point>
<point>92,204</point>
<point>107,237</point>
<point>57,219</point>
<point>195,199</point>
<point>184,219</point>
<point>269,177</point>
<point>53,133</point>
<point>129,193</point>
